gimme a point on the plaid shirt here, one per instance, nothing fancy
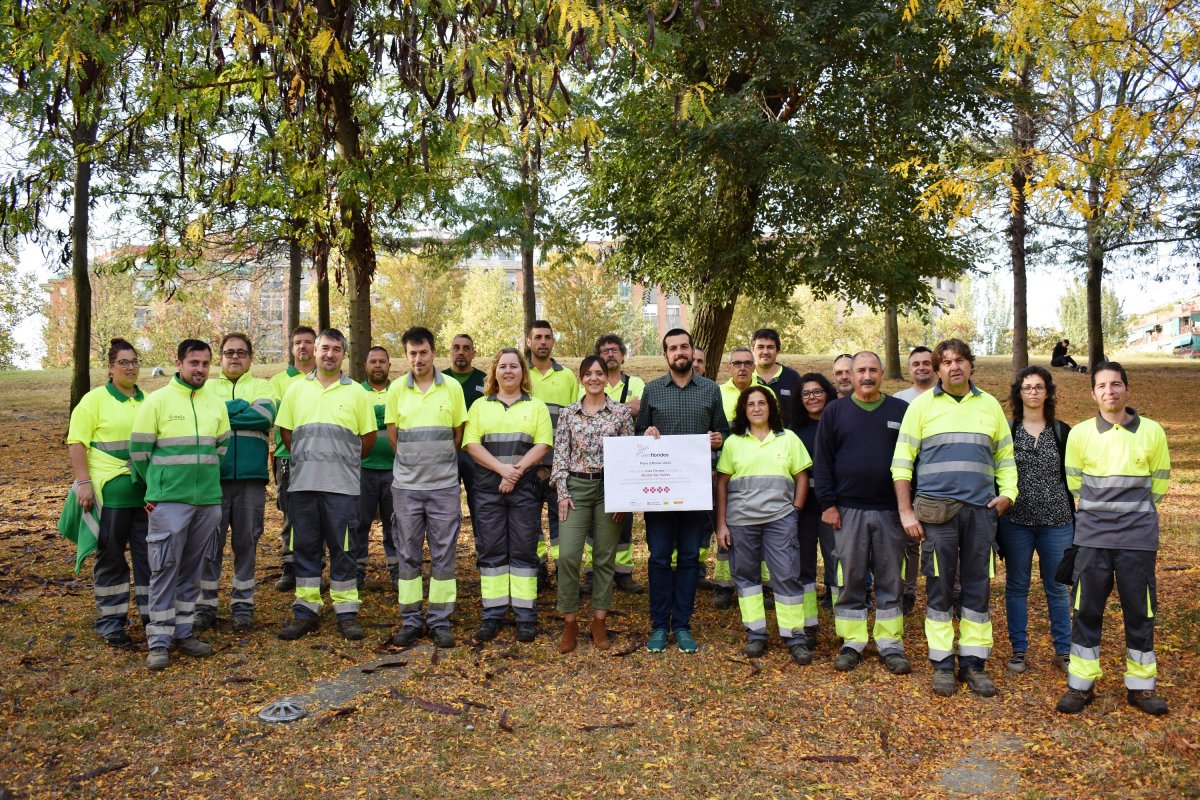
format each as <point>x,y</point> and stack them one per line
<point>675,411</point>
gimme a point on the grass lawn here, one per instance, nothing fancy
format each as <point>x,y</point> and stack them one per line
<point>79,719</point>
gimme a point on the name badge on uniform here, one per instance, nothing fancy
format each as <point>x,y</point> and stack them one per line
<point>894,425</point>
<point>785,391</point>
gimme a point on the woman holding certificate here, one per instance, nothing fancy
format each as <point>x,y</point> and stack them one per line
<point>761,481</point>
<point>578,474</point>
<point>508,433</point>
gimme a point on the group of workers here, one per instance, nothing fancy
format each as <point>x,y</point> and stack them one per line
<point>933,480</point>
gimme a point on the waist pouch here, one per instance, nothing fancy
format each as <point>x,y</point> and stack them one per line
<point>936,510</point>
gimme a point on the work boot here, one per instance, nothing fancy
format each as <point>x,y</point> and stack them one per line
<point>158,658</point>
<point>810,633</point>
<point>351,629</point>
<point>286,582</point>
<point>406,635</point>
<point>768,598</point>
<point>897,664</point>
<point>1075,700</point>
<point>599,634</point>
<point>488,629</point>
<point>585,584</point>
<point>543,579</point>
<point>295,628</point>
<point>801,654</point>
<point>1146,700</point>
<point>243,622</point>
<point>944,682</point>
<point>203,620</point>
<point>191,646</point>
<point>625,582</point>
<point>723,598</point>
<point>442,637</point>
<point>526,632</point>
<point>910,602</point>
<point>118,639</point>
<point>755,648</point>
<point>978,682</point>
<point>847,659</point>
<point>705,583</point>
<point>826,600</point>
<point>570,633</point>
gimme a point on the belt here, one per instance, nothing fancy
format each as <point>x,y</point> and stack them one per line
<point>588,476</point>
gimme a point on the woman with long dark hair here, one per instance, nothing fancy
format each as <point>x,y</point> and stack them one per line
<point>816,392</point>
<point>578,474</point>
<point>1042,519</point>
<point>98,445</point>
<point>761,481</point>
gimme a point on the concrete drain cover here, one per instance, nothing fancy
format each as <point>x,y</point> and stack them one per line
<point>282,711</point>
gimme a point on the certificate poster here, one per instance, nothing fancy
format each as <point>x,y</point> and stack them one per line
<point>670,473</point>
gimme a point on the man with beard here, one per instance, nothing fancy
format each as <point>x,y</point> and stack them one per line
<point>678,403</point>
<point>375,495</point>
<point>557,388</point>
<point>462,369</point>
<point>179,436</point>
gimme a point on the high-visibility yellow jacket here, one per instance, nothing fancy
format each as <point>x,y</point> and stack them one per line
<point>1119,474</point>
<point>178,438</point>
<point>957,449</point>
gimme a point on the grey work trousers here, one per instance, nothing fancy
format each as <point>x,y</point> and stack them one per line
<point>961,549</point>
<point>433,516</point>
<point>375,501</point>
<point>869,540</point>
<point>776,544</point>
<point>283,473</point>
<point>242,506</point>
<point>179,540</point>
<point>120,528</point>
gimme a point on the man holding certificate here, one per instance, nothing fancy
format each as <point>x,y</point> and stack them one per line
<point>678,403</point>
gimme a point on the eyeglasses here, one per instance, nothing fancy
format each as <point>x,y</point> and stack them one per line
<point>1033,389</point>
<point>235,353</point>
<point>608,351</point>
<point>811,394</point>
<point>127,363</point>
<point>741,364</point>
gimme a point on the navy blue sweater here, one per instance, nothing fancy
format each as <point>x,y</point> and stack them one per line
<point>852,463</point>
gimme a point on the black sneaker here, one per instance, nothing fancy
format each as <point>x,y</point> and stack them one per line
<point>295,628</point>
<point>488,629</point>
<point>897,664</point>
<point>847,659</point>
<point>754,648</point>
<point>118,639</point>
<point>1075,700</point>
<point>191,646</point>
<point>526,632</point>
<point>350,629</point>
<point>978,682</point>
<point>625,582</point>
<point>203,620</point>
<point>944,682</point>
<point>1146,700</point>
<point>723,598</point>
<point>406,635</point>
<point>442,637</point>
<point>801,654</point>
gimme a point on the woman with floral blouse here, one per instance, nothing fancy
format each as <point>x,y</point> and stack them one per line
<point>578,474</point>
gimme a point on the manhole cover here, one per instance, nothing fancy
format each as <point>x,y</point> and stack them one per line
<point>282,711</point>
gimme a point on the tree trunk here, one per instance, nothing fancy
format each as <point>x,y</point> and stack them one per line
<point>1095,276</point>
<point>530,166</point>
<point>84,138</point>
<point>295,279</point>
<point>1023,139</point>
<point>710,329</point>
<point>320,259</point>
<point>891,342</point>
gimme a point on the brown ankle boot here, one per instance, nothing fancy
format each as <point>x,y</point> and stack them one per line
<point>570,633</point>
<point>599,634</point>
